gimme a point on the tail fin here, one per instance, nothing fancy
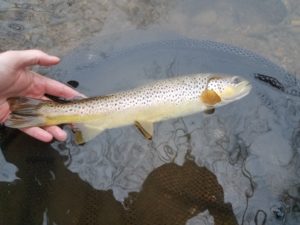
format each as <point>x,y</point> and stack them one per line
<point>25,112</point>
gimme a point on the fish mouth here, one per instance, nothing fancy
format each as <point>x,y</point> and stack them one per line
<point>244,89</point>
<point>240,90</point>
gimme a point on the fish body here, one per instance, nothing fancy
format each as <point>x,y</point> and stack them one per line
<point>142,106</point>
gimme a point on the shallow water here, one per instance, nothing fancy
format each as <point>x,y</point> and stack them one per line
<point>243,160</point>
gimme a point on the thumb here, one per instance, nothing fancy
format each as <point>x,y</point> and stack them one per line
<point>26,58</point>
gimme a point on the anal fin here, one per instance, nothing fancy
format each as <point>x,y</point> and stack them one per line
<point>85,132</point>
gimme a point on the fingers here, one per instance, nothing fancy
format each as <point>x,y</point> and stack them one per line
<point>4,111</point>
<point>57,133</point>
<point>38,133</point>
<point>55,88</point>
<point>46,134</point>
<point>22,59</point>
<point>26,58</point>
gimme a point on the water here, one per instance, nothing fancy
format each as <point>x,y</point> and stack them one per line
<point>246,153</point>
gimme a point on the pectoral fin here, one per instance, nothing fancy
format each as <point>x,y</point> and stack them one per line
<point>210,97</point>
<point>86,132</point>
<point>146,128</point>
<point>209,111</point>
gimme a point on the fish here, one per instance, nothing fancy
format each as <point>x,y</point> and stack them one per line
<point>141,106</point>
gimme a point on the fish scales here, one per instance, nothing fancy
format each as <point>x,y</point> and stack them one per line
<point>176,91</point>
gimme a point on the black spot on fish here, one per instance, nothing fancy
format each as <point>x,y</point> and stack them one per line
<point>269,80</point>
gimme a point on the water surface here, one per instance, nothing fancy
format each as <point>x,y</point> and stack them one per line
<point>243,160</point>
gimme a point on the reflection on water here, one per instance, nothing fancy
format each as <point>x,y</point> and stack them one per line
<point>45,186</point>
<point>239,165</point>
<point>248,152</point>
<point>171,194</point>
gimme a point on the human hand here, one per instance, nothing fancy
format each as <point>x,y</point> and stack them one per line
<point>16,79</point>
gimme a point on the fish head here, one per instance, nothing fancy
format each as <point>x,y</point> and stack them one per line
<point>227,89</point>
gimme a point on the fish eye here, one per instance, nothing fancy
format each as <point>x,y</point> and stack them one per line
<point>235,80</point>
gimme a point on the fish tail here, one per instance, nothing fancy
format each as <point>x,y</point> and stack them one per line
<point>25,112</point>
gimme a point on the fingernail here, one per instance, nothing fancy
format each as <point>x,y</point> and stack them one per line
<point>61,136</point>
<point>55,58</point>
<point>81,96</point>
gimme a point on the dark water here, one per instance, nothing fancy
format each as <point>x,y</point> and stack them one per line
<point>237,166</point>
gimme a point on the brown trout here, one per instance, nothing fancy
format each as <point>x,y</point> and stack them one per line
<point>142,106</point>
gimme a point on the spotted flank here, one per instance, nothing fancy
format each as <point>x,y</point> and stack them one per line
<point>142,106</point>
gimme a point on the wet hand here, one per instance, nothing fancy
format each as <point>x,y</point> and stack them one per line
<point>16,79</point>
